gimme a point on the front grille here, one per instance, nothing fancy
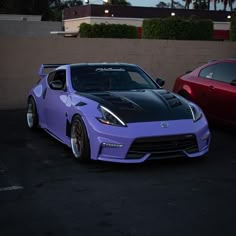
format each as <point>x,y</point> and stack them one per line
<point>167,145</point>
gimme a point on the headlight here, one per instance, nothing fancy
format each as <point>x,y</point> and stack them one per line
<point>196,112</point>
<point>109,118</point>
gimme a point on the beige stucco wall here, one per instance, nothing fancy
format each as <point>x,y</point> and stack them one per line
<point>22,56</point>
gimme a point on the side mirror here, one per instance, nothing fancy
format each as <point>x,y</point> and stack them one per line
<point>187,72</point>
<point>56,85</point>
<point>233,82</point>
<point>160,82</point>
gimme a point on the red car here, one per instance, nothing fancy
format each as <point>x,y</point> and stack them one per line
<point>213,87</point>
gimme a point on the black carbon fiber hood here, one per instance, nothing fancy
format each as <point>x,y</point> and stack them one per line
<point>143,105</point>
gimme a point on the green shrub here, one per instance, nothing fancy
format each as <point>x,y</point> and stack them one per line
<point>178,28</point>
<point>233,28</point>
<point>85,30</point>
<point>107,31</point>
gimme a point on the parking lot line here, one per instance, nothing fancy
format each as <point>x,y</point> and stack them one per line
<point>10,188</point>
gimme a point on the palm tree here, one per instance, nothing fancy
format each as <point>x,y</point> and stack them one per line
<point>173,4</point>
<point>201,4</point>
<point>162,4</point>
<point>187,3</point>
<point>225,2</point>
<point>117,2</point>
<point>228,2</point>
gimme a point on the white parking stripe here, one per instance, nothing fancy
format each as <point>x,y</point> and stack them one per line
<point>11,188</point>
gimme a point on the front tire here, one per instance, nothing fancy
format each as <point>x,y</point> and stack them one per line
<point>32,115</point>
<point>79,140</point>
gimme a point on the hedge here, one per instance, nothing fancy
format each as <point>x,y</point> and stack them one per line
<point>233,28</point>
<point>178,28</point>
<point>107,31</point>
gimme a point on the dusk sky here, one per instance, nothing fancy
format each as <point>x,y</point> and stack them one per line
<point>153,3</point>
<point>148,3</point>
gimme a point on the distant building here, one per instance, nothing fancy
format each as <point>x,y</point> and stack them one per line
<point>130,15</point>
<point>12,17</point>
<point>26,25</point>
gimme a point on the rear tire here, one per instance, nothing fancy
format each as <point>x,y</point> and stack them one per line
<point>32,115</point>
<point>79,140</point>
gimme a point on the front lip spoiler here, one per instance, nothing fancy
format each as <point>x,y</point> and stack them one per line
<point>147,156</point>
<point>122,160</point>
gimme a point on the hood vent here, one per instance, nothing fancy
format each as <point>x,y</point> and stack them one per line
<point>119,102</point>
<point>171,99</point>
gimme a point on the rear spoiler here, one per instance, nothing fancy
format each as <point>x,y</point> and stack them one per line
<point>46,66</point>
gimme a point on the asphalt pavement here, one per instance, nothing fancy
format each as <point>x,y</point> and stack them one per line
<point>45,192</point>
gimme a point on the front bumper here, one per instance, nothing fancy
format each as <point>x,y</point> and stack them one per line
<point>113,144</point>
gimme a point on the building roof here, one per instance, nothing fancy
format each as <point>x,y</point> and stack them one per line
<point>140,12</point>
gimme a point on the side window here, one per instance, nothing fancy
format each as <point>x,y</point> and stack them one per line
<point>225,72</point>
<point>207,72</point>
<point>59,75</point>
<point>50,77</point>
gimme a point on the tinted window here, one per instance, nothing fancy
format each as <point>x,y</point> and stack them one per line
<point>51,77</point>
<point>225,72</point>
<point>59,75</point>
<point>207,72</point>
<point>109,77</point>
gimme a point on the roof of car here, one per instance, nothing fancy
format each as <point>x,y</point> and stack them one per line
<point>222,60</point>
<point>103,64</point>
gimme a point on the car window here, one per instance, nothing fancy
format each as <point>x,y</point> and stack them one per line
<point>50,77</point>
<point>59,75</point>
<point>109,77</point>
<point>225,72</point>
<point>207,72</point>
<point>138,79</point>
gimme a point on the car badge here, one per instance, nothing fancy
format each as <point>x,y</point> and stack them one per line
<point>164,125</point>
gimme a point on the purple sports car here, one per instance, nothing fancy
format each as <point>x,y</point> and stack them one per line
<point>115,112</point>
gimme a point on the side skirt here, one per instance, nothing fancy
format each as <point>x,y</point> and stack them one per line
<point>60,140</point>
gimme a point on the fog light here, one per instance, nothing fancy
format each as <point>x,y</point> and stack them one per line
<point>112,145</point>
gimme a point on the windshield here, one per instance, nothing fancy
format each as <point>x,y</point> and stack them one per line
<point>109,77</point>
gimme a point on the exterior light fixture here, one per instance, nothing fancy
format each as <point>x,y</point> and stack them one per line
<point>172,14</point>
<point>229,17</point>
<point>106,11</point>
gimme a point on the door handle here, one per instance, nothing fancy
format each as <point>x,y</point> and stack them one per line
<point>211,87</point>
